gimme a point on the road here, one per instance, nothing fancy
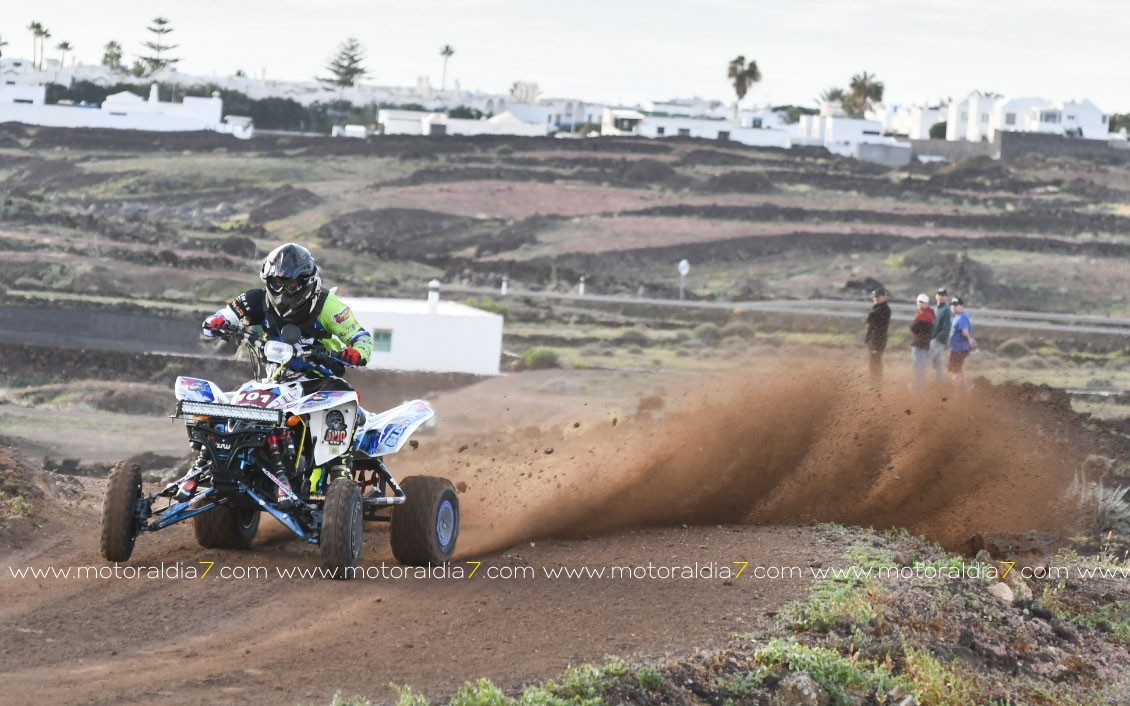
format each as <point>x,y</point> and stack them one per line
<point>148,333</point>
<point>840,309</point>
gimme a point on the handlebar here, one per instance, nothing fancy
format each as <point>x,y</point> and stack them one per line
<point>311,354</point>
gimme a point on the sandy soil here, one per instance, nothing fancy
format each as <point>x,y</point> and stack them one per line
<point>614,469</point>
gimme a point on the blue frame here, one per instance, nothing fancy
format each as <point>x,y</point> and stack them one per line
<point>181,511</point>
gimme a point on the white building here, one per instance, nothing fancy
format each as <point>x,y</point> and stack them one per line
<point>979,117</point>
<point>628,122</point>
<point>911,121</point>
<point>439,336</point>
<point>401,122</point>
<point>840,135</point>
<point>126,111</point>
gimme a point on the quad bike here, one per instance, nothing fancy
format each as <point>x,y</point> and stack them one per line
<point>299,420</point>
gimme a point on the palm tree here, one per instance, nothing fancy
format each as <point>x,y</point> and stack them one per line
<point>865,90</point>
<point>446,51</point>
<point>63,48</point>
<point>743,76</point>
<point>44,35</point>
<point>832,95</point>
<point>36,30</point>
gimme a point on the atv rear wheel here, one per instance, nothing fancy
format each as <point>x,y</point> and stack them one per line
<point>226,527</point>
<point>424,529</point>
<point>341,527</point>
<point>119,512</point>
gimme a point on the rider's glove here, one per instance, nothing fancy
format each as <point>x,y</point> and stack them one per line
<point>351,356</point>
<point>214,326</point>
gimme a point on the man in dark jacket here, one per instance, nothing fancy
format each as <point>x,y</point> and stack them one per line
<point>940,341</point>
<point>878,320</point>
<point>921,331</point>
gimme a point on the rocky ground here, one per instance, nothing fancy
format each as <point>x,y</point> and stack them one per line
<point>588,470</point>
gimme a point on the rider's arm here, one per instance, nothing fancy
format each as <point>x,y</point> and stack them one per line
<point>338,319</point>
<point>207,330</point>
<point>249,305</point>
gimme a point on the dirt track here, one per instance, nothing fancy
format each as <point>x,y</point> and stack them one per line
<point>785,443</point>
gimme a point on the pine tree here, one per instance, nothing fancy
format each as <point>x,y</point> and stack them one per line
<point>345,67</point>
<point>159,58</point>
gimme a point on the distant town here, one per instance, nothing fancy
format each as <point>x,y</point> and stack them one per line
<point>855,121</point>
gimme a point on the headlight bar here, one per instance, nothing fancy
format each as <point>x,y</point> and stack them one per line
<point>229,411</point>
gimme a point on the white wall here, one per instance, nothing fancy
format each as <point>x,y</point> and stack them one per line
<point>401,122</point>
<point>504,124</point>
<point>652,126</point>
<point>956,117</point>
<point>527,113</point>
<point>453,340</point>
<point>810,130</point>
<point>136,114</point>
<point>23,94</point>
<point>841,135</point>
<point>914,121</point>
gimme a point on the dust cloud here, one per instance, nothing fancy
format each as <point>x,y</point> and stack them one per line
<point>782,444</point>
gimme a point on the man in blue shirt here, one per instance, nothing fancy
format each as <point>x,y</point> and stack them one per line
<point>961,341</point>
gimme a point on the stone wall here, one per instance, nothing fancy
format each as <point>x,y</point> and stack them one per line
<point>953,150</point>
<point>1018,144</point>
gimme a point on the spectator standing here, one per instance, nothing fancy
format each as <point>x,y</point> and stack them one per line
<point>878,321</point>
<point>940,342</point>
<point>921,331</point>
<point>961,341</point>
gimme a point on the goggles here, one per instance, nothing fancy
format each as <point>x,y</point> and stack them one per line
<point>290,285</point>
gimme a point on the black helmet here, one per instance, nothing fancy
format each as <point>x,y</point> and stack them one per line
<point>292,282</point>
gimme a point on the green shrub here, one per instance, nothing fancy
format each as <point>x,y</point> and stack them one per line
<point>936,684</point>
<point>1013,348</point>
<point>828,668</point>
<point>739,329</point>
<point>481,693</point>
<point>649,679</point>
<point>489,304</point>
<point>633,337</point>
<point>504,150</point>
<point>938,131</point>
<point>538,359</point>
<point>708,333</point>
<point>1032,362</point>
<point>406,697</point>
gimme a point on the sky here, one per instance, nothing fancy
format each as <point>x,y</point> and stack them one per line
<point>630,51</point>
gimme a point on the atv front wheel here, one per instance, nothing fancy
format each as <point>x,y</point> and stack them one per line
<point>424,529</point>
<point>119,512</point>
<point>226,527</point>
<point>341,527</point>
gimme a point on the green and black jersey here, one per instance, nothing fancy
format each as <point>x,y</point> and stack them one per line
<point>331,322</point>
